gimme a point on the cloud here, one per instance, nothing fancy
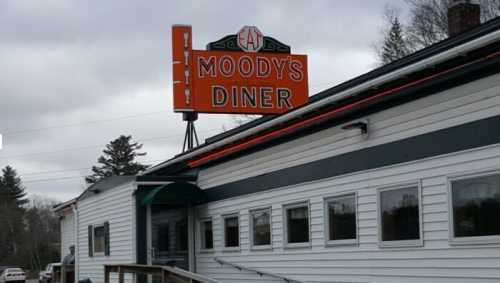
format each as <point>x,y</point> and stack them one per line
<point>67,62</point>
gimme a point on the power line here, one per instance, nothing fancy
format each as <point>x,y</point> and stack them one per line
<point>148,162</point>
<point>17,132</point>
<point>53,179</point>
<point>54,171</point>
<point>91,146</point>
<point>70,177</point>
<point>24,131</point>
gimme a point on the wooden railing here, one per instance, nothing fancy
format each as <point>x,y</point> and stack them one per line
<point>63,274</point>
<point>168,274</point>
<point>257,271</point>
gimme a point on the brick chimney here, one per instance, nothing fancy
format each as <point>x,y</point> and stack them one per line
<point>463,15</point>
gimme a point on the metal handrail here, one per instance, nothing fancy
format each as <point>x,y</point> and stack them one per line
<point>259,272</point>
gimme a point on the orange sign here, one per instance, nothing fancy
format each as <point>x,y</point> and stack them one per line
<point>221,81</point>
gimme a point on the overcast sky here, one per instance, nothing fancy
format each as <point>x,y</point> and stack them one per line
<point>76,74</point>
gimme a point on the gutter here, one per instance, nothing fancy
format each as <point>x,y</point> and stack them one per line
<point>77,249</point>
<point>421,65</point>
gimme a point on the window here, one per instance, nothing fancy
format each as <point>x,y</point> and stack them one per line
<point>341,219</point>
<point>99,239</point>
<point>162,237</point>
<point>475,206</point>
<point>260,232</point>
<point>400,216</point>
<point>206,235</point>
<point>231,231</point>
<point>297,225</point>
<point>181,233</point>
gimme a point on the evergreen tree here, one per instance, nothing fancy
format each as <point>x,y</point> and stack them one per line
<point>118,160</point>
<point>11,189</point>
<point>395,46</point>
<point>12,199</point>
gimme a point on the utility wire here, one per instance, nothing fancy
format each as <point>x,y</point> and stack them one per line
<point>54,171</point>
<point>149,162</point>
<point>92,146</point>
<point>23,131</point>
<point>139,115</point>
<point>52,179</point>
<point>71,177</point>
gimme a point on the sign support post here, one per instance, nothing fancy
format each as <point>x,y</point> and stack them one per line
<point>190,137</point>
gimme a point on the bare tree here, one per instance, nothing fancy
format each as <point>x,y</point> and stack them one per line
<point>427,22</point>
<point>41,242</point>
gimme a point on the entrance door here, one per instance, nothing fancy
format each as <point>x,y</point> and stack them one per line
<point>169,235</point>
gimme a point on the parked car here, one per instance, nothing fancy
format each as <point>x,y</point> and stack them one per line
<point>45,276</point>
<point>12,275</point>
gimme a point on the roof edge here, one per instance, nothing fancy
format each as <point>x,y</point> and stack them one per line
<point>492,35</point>
<point>63,205</point>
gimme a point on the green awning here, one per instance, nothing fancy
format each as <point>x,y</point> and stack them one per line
<point>175,193</point>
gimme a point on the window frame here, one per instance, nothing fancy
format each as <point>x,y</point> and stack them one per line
<point>326,217</point>
<point>200,237</point>
<point>401,243</point>
<point>474,240</point>
<point>224,217</point>
<point>95,253</point>
<point>250,221</point>
<point>287,206</point>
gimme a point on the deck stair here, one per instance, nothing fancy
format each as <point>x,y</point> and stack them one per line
<point>168,274</point>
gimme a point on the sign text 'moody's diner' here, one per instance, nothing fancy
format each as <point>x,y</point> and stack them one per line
<point>253,81</point>
<point>249,82</point>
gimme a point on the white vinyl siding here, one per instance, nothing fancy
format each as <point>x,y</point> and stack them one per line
<point>67,233</point>
<point>435,261</point>
<point>117,206</point>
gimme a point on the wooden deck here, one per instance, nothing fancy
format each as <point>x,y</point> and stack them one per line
<point>168,274</point>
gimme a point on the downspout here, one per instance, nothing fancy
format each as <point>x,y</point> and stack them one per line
<point>77,247</point>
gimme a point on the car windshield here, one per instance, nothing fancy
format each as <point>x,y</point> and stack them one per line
<point>14,270</point>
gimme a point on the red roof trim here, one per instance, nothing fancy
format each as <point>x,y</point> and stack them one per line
<point>320,117</point>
